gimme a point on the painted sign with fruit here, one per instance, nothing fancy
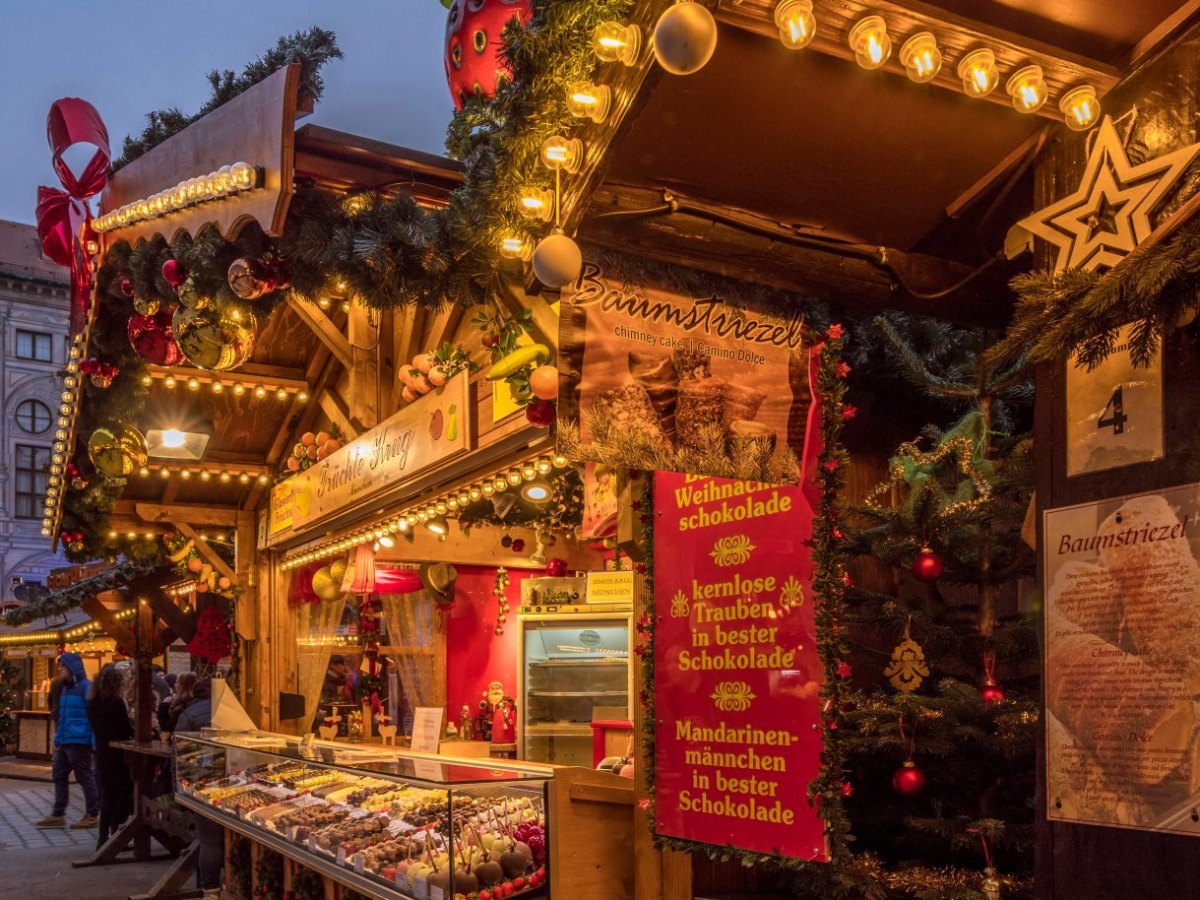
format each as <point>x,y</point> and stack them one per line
<point>432,429</point>
<point>737,677</point>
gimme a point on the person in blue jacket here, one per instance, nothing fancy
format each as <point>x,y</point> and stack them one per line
<point>74,746</point>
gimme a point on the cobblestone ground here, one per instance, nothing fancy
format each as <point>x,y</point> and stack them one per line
<point>21,807</point>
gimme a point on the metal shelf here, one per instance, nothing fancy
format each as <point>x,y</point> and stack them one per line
<point>563,730</point>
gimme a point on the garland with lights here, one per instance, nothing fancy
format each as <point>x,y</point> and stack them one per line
<point>563,512</point>
<point>844,876</point>
<point>8,706</point>
<point>68,598</point>
<point>1061,314</point>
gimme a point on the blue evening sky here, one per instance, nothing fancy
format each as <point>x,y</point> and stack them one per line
<point>127,57</point>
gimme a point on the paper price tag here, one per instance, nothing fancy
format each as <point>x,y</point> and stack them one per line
<point>435,893</point>
<point>341,856</point>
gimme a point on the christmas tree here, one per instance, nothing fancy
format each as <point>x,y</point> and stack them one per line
<point>8,706</point>
<point>940,730</point>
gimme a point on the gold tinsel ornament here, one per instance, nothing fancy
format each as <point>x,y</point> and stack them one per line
<point>118,451</point>
<point>907,668</point>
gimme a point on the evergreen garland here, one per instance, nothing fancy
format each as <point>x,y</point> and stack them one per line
<point>1060,314</point>
<point>312,49</point>
<point>240,868</point>
<point>268,875</point>
<point>8,706</point>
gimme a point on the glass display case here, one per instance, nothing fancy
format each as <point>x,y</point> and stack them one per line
<point>385,823</point>
<point>574,670</point>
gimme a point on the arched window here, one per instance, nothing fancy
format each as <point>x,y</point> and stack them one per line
<point>33,416</point>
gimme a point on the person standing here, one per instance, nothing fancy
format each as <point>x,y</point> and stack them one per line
<point>185,690</point>
<point>211,860</point>
<point>108,714</point>
<point>73,746</point>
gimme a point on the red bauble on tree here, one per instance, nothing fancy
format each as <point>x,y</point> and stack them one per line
<point>152,339</point>
<point>927,566</point>
<point>991,692</point>
<point>127,286</point>
<point>474,45</point>
<point>174,272</point>
<point>909,780</point>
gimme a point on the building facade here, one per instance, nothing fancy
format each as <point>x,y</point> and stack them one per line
<point>34,341</point>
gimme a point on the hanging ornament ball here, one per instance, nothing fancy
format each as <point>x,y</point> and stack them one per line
<point>555,567</point>
<point>992,693</point>
<point>195,564</point>
<point>190,297</point>
<point>127,286</point>
<point>324,585</point>
<point>518,545</point>
<point>927,566</point>
<point>174,272</point>
<point>213,339</point>
<point>685,38</point>
<point>557,260</point>
<point>475,64</point>
<point>506,541</point>
<point>118,451</point>
<point>541,413</point>
<point>224,583</point>
<point>544,382</point>
<point>146,307</point>
<point>337,569</point>
<point>249,279</point>
<point>152,340</point>
<point>909,780</point>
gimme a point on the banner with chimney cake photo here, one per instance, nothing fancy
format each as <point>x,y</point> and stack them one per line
<point>672,370</point>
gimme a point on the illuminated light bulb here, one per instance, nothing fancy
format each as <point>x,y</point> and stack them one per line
<point>76,352</point>
<point>147,381</point>
<point>536,204</point>
<point>51,492</point>
<point>72,367</point>
<point>225,179</point>
<point>411,520</point>
<point>1027,88</point>
<point>528,472</point>
<point>45,531</point>
<point>243,478</point>
<point>243,175</point>
<point>164,473</point>
<point>193,384</point>
<point>614,42</point>
<point>67,396</point>
<point>488,489</point>
<point>589,101</point>
<point>131,535</point>
<point>217,387</point>
<point>205,475</point>
<point>170,381</point>
<point>514,477</point>
<point>1080,107</point>
<point>404,525</point>
<point>61,434</point>
<point>514,247</point>
<point>55,479</point>
<point>262,479</point>
<point>870,42</point>
<point>111,535</point>
<point>451,503</point>
<point>281,394</point>
<point>474,493</point>
<point>500,484</point>
<point>796,23</point>
<point>239,389</point>
<point>421,517</point>
<point>543,466</point>
<point>302,396</point>
<point>185,473</point>
<point>563,153</point>
<point>464,498</point>
<point>56,470</point>
<point>65,409</point>
<point>345,306</point>
<point>69,382</point>
<point>144,472</point>
<point>921,57</point>
<point>323,303</point>
<point>979,73</point>
<point>260,392</point>
<point>60,446</point>
<point>225,476</point>
<point>560,461</point>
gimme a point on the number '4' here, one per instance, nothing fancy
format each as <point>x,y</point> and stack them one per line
<point>1114,413</point>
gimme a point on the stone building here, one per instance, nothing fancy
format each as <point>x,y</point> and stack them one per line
<point>34,305</point>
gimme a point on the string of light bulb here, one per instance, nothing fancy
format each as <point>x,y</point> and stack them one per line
<point>82,631</point>
<point>922,58</point>
<point>197,379</point>
<point>64,435</point>
<point>242,473</point>
<point>224,182</point>
<point>436,510</point>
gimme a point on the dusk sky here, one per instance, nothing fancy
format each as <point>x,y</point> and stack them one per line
<point>127,57</point>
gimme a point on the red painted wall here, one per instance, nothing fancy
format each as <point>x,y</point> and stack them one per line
<point>475,655</point>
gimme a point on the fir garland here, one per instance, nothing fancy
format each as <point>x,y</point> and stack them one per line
<point>845,876</point>
<point>268,876</point>
<point>1061,314</point>
<point>240,869</point>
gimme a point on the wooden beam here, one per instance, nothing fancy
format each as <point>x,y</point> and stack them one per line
<point>188,513</point>
<point>292,381</point>
<point>114,629</point>
<point>444,325</point>
<point>364,389</point>
<point>1172,27</point>
<point>245,558</point>
<point>406,342</point>
<point>162,640</point>
<point>334,407</point>
<point>749,247</point>
<point>324,329</point>
<point>173,617</point>
<point>206,551</point>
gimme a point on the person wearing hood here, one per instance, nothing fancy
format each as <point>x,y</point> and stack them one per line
<point>74,746</point>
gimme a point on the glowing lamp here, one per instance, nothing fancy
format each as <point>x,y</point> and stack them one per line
<point>536,204</point>
<point>978,73</point>
<point>614,42</point>
<point>563,153</point>
<point>921,58</point>
<point>1080,107</point>
<point>870,42</point>
<point>796,23</point>
<point>589,101</point>
<point>1027,88</point>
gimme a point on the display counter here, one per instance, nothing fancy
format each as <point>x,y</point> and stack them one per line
<point>380,821</point>
<point>35,734</point>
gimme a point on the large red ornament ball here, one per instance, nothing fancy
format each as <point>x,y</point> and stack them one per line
<point>909,780</point>
<point>174,272</point>
<point>152,340</point>
<point>992,693</point>
<point>927,566</point>
<point>474,45</point>
<point>556,567</point>
<point>541,413</point>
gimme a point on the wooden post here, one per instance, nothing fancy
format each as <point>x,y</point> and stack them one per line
<point>143,715</point>
<point>367,345</point>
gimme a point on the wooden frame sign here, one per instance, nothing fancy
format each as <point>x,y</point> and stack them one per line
<point>422,435</point>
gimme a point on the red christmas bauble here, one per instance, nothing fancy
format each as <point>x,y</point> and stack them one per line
<point>992,693</point>
<point>555,567</point>
<point>475,44</point>
<point>909,780</point>
<point>174,272</point>
<point>518,545</point>
<point>152,339</point>
<point>541,413</point>
<point>927,566</point>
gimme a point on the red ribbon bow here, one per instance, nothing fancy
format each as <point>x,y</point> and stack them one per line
<point>64,221</point>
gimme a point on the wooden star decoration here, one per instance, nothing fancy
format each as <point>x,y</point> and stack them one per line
<point>1108,215</point>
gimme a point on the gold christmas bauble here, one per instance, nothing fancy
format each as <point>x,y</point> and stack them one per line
<point>146,307</point>
<point>214,339</point>
<point>118,451</point>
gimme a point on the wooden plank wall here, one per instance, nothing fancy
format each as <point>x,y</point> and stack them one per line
<point>1075,861</point>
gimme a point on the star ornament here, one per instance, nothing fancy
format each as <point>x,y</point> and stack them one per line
<point>1109,214</point>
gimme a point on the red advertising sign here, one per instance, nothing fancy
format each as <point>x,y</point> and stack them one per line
<point>736,673</point>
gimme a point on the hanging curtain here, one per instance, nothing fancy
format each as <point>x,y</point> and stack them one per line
<point>316,626</point>
<point>412,625</point>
